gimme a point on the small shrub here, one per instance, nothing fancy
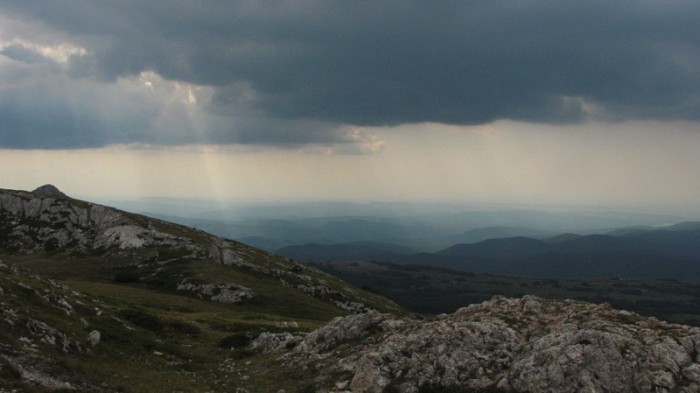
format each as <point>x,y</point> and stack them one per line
<point>126,277</point>
<point>307,389</point>
<point>437,388</point>
<point>51,245</point>
<point>237,340</point>
<point>239,354</point>
<point>391,388</point>
<point>184,328</point>
<point>144,320</point>
<point>8,372</point>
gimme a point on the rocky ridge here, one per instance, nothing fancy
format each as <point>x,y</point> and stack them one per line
<point>519,345</point>
<point>47,221</point>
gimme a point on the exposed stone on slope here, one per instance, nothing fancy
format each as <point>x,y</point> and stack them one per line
<point>521,345</point>
<point>36,370</point>
<point>268,342</point>
<point>35,336</point>
<point>93,338</point>
<point>222,293</point>
<point>341,330</point>
<point>43,222</point>
<point>220,250</point>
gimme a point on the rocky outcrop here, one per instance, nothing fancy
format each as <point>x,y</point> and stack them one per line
<point>222,293</point>
<point>44,221</point>
<point>342,330</point>
<point>520,345</point>
<point>222,251</point>
<point>268,342</point>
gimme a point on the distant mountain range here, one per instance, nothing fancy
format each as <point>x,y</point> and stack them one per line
<point>354,251</point>
<point>422,227</point>
<point>542,243</point>
<point>642,252</point>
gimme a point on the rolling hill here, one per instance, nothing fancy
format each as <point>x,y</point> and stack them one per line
<point>97,299</point>
<point>672,253</point>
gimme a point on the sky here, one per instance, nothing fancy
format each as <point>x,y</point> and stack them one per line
<point>559,103</point>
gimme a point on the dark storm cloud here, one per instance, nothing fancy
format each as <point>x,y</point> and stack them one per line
<point>366,63</point>
<point>23,54</point>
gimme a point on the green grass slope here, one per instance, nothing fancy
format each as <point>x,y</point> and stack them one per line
<point>174,308</point>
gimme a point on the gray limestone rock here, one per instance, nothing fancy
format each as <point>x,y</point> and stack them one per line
<point>268,342</point>
<point>222,293</point>
<point>93,338</point>
<point>342,329</point>
<point>47,220</point>
<point>521,345</point>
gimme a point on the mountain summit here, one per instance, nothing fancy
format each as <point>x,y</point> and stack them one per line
<point>49,190</point>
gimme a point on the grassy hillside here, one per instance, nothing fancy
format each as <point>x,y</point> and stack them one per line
<point>153,337</point>
<point>150,340</point>
<point>126,303</point>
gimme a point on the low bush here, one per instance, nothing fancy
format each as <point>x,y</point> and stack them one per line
<point>127,276</point>
<point>237,340</point>
<point>8,372</point>
<point>144,320</point>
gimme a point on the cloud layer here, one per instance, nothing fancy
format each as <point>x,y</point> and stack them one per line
<point>291,73</point>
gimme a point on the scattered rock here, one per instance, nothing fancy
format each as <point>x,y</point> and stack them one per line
<point>220,250</point>
<point>287,325</point>
<point>35,369</point>
<point>321,291</point>
<point>93,338</point>
<point>65,305</point>
<point>341,330</point>
<point>268,342</point>
<point>222,293</point>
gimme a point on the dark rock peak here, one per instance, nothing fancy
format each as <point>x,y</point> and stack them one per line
<point>49,190</point>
